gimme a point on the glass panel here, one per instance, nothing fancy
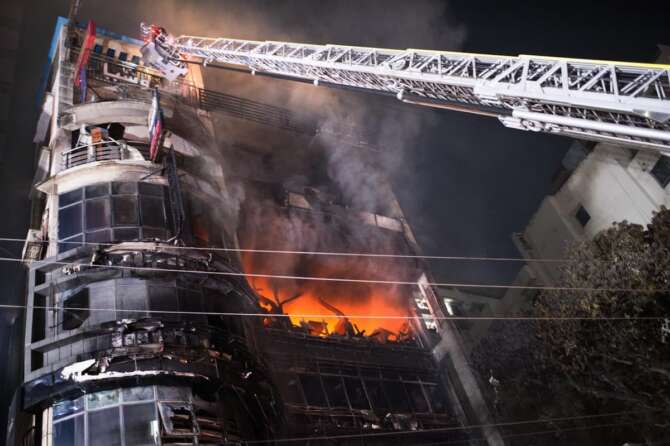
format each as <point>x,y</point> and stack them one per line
<point>99,236</point>
<point>67,407</point>
<point>356,393</point>
<point>173,393</point>
<point>97,190</point>
<point>74,318</point>
<point>152,212</point>
<point>138,393</point>
<point>127,234</point>
<point>125,210</point>
<point>101,399</point>
<point>69,197</point>
<point>98,214</point>
<point>151,189</point>
<point>140,424</point>
<point>311,385</point>
<point>124,188</point>
<point>335,391</point>
<point>104,427</point>
<point>416,397</point>
<point>69,432</point>
<point>70,243</point>
<point>69,221</point>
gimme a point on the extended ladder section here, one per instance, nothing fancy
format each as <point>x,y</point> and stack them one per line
<point>619,102</point>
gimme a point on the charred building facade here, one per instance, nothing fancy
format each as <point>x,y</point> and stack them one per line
<point>177,297</point>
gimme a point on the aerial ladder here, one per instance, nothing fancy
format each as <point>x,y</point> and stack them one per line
<point>623,103</point>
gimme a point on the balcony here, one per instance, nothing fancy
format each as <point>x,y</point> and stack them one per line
<point>106,150</point>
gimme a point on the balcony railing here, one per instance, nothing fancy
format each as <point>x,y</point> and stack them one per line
<point>106,150</point>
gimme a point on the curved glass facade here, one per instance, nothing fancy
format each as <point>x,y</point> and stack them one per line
<point>112,212</point>
<point>137,416</point>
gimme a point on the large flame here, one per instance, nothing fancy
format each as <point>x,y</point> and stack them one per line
<point>327,307</point>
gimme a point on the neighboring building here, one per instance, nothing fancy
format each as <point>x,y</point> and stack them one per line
<point>133,332</point>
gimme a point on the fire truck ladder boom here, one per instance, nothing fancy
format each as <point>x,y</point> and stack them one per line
<point>618,102</point>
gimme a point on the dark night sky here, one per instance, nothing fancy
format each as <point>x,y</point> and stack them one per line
<point>467,182</point>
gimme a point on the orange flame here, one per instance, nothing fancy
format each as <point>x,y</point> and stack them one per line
<point>327,307</point>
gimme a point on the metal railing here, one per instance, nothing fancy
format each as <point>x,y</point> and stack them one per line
<point>105,150</point>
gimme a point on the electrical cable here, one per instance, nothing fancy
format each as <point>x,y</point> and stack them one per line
<point>351,280</point>
<point>444,429</point>
<point>320,253</point>
<point>331,315</point>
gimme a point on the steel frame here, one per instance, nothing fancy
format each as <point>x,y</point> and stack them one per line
<point>624,103</point>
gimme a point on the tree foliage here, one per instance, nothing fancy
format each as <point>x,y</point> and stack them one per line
<point>599,345</point>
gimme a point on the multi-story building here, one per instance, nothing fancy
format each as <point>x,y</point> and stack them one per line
<point>596,186</point>
<point>155,317</point>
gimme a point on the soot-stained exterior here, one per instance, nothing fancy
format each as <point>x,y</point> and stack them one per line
<point>147,323</point>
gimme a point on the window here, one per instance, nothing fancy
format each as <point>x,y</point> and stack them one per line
<point>313,392</point>
<point>69,432</point>
<point>104,427</point>
<point>416,397</point>
<point>376,395</point>
<point>125,210</point>
<point>97,49</point>
<point>152,212</point>
<point>69,221</point>
<point>582,216</point>
<point>111,52</point>
<point>75,310</point>
<point>134,211</point>
<point>98,214</point>
<point>127,416</point>
<point>123,56</point>
<point>661,171</point>
<point>397,397</point>
<point>135,60</point>
<point>356,393</point>
<point>140,427</point>
<point>335,391</point>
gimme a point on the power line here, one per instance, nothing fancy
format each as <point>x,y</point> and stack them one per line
<point>352,280</point>
<point>329,315</point>
<point>318,253</point>
<point>535,433</point>
<point>444,429</point>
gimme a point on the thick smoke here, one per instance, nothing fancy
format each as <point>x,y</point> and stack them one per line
<point>386,125</point>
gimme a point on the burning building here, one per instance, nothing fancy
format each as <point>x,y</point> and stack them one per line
<point>189,284</point>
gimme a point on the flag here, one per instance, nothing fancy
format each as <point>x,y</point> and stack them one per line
<point>155,125</point>
<point>85,52</point>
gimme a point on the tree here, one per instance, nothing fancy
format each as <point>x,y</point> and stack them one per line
<point>607,351</point>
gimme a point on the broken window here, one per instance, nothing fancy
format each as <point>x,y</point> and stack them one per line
<point>397,397</point>
<point>311,385</point>
<point>356,393</point>
<point>75,309</point>
<point>178,419</point>
<point>416,397</point>
<point>376,394</point>
<point>436,396</point>
<point>335,391</point>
